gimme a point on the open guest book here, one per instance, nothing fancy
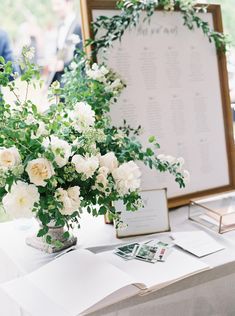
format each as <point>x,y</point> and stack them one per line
<point>81,281</point>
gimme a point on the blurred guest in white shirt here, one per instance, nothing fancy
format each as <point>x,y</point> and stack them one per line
<point>68,38</point>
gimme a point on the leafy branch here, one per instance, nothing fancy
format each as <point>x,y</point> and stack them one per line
<point>131,13</point>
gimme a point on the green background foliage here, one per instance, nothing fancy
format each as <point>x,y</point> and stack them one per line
<point>14,12</point>
<point>228,10</point>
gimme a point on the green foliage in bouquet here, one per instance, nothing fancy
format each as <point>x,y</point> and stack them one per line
<point>55,163</point>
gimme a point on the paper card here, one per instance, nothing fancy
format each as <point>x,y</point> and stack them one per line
<point>198,243</point>
<point>152,218</point>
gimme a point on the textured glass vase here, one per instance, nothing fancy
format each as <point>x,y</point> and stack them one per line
<point>58,241</point>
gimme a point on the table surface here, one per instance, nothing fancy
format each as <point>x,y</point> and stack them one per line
<point>97,236</point>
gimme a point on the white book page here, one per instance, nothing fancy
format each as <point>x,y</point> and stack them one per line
<point>34,301</point>
<point>70,285</point>
<point>178,265</point>
<point>118,296</point>
<point>173,91</point>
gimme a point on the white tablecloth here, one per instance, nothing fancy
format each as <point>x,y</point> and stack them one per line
<point>211,292</point>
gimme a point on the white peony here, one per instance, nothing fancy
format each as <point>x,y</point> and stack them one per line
<point>109,161</point>
<point>74,193</point>
<point>60,148</point>
<point>102,178</point>
<point>97,72</point>
<point>70,199</point>
<point>39,170</point>
<point>104,171</point>
<point>127,177</point>
<point>82,116</point>
<point>9,157</point>
<point>86,165</point>
<point>19,202</point>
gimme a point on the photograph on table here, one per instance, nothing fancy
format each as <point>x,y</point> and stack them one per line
<point>177,89</point>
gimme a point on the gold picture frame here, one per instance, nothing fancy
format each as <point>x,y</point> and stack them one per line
<point>87,9</point>
<point>151,219</point>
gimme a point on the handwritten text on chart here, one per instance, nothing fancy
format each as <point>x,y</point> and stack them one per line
<point>157,30</point>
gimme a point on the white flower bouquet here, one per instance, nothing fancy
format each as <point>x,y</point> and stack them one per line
<point>54,164</point>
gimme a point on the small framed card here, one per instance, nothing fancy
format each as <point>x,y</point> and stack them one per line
<point>152,218</point>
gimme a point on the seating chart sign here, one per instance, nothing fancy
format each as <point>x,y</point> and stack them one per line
<point>176,90</point>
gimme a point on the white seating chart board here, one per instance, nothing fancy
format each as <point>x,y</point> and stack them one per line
<point>174,92</point>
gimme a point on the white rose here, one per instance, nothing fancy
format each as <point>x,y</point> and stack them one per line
<point>86,165</point>
<point>70,199</point>
<point>62,196</point>
<point>39,170</point>
<point>82,116</point>
<point>109,161</point>
<point>9,157</point>
<point>19,202</point>
<point>60,148</point>
<point>127,177</point>
<point>74,194</point>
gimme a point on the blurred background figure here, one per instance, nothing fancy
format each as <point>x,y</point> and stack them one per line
<point>29,34</point>
<point>6,51</point>
<point>5,48</point>
<point>68,38</point>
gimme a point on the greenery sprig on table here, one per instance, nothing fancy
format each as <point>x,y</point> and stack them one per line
<point>131,14</point>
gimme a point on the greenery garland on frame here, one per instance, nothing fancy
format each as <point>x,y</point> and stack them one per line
<point>131,11</point>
